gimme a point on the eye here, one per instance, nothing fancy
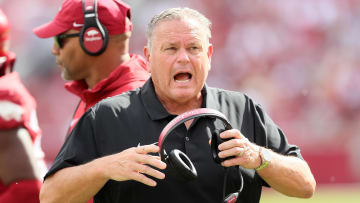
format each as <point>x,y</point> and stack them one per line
<point>170,48</point>
<point>194,49</point>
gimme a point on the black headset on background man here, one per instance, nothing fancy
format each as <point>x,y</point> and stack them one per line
<point>182,163</point>
<point>94,37</point>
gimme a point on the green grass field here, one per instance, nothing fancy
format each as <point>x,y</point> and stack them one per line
<point>338,194</point>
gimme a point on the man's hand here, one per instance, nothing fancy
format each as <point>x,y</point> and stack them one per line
<point>246,153</point>
<point>133,164</point>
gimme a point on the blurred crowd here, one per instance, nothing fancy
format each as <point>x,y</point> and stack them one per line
<point>299,59</point>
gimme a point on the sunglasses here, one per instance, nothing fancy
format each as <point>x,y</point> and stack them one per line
<point>59,39</point>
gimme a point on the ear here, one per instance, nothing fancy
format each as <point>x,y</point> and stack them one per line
<point>147,57</point>
<point>209,53</point>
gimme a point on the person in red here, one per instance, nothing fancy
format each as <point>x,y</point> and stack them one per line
<point>91,45</point>
<point>22,163</point>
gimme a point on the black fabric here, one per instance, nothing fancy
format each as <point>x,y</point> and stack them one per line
<point>124,121</point>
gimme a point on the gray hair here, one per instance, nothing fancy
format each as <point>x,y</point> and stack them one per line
<point>178,14</point>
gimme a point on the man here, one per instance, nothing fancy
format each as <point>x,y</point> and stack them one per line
<point>22,163</point>
<point>109,71</point>
<point>109,153</point>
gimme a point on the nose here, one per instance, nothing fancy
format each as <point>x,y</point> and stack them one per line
<point>183,56</point>
<point>55,49</point>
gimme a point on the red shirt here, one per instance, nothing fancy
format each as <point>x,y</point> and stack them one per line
<point>18,109</point>
<point>128,76</point>
<point>17,106</point>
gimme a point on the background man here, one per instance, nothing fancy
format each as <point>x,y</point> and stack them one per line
<point>94,76</point>
<point>21,158</point>
<point>179,54</point>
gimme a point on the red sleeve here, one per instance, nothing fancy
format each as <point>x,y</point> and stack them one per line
<point>11,114</point>
<point>17,106</point>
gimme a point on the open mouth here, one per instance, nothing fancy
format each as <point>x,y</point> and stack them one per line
<point>182,77</point>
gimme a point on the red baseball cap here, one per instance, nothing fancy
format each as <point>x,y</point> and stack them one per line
<point>4,27</point>
<point>111,13</point>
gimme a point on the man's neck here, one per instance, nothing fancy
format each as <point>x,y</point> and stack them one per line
<point>103,68</point>
<point>179,108</point>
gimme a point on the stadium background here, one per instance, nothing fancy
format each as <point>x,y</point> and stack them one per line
<point>299,59</point>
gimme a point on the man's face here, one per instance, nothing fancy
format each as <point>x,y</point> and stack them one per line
<point>179,60</point>
<point>71,59</point>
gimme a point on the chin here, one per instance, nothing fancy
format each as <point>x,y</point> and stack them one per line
<point>184,96</point>
<point>66,76</point>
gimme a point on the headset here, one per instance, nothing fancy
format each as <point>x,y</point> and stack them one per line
<point>182,163</point>
<point>94,36</point>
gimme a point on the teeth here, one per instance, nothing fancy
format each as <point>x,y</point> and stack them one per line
<point>182,81</point>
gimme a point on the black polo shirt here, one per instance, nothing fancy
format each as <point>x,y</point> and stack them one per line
<point>138,117</point>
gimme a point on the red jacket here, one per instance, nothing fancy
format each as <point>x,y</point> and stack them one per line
<point>18,109</point>
<point>127,76</point>
<point>17,106</point>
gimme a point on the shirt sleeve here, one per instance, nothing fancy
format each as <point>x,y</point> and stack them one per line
<point>79,147</point>
<point>269,135</point>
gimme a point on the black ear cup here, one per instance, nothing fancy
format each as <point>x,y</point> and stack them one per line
<point>93,40</point>
<point>94,35</point>
<point>182,164</point>
<point>216,140</point>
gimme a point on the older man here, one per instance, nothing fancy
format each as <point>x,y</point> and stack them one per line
<point>109,154</point>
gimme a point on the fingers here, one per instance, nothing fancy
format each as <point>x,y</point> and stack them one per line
<point>151,160</point>
<point>146,169</point>
<point>237,140</point>
<point>236,151</point>
<point>143,163</point>
<point>136,164</point>
<point>144,149</point>
<point>236,146</point>
<point>232,133</point>
<point>144,158</point>
<point>244,152</point>
<point>139,170</point>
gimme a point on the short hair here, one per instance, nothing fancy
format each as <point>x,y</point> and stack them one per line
<point>178,14</point>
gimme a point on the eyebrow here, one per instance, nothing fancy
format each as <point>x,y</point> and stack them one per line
<point>195,43</point>
<point>170,43</point>
<point>167,44</point>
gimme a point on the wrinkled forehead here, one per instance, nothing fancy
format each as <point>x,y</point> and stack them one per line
<point>169,29</point>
